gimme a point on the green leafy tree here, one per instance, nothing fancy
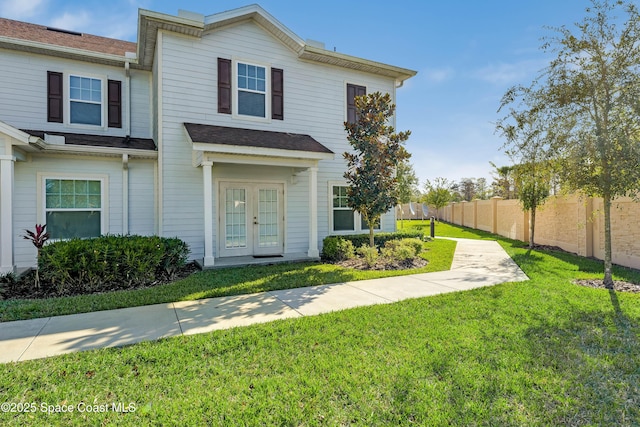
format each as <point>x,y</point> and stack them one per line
<point>503,181</point>
<point>528,141</point>
<point>438,193</point>
<point>371,166</point>
<point>407,184</point>
<point>592,90</point>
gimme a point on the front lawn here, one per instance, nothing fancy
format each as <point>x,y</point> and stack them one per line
<point>541,352</point>
<point>216,283</point>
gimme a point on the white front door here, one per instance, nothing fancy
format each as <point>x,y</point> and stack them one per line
<point>251,219</point>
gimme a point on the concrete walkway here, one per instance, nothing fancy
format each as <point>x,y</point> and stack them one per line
<point>476,263</point>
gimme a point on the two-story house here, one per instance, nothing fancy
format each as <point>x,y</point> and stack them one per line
<point>223,130</point>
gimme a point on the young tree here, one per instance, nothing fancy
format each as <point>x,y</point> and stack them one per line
<point>438,193</point>
<point>591,90</point>
<point>528,141</point>
<point>407,184</point>
<point>377,151</point>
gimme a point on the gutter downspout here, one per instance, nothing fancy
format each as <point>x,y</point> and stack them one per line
<point>125,194</point>
<point>127,91</point>
<point>125,157</point>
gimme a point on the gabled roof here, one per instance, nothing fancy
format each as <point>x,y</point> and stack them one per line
<point>198,25</point>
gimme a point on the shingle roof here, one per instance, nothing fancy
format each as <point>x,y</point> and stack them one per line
<point>42,34</point>
<point>99,140</point>
<point>253,138</point>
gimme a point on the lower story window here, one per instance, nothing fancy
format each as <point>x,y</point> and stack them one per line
<point>73,208</point>
<point>344,218</point>
<point>342,214</point>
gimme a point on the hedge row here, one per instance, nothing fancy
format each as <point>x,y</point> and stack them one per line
<point>110,262</point>
<point>332,246</point>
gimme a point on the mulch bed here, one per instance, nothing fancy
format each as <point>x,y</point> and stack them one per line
<point>383,264</point>
<point>24,288</point>
<point>618,285</point>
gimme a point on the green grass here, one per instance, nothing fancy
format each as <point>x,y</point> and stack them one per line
<point>539,353</point>
<point>216,283</point>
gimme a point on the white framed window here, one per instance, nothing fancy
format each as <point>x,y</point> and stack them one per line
<point>343,216</point>
<point>86,100</point>
<point>74,206</point>
<point>252,88</point>
<point>343,219</point>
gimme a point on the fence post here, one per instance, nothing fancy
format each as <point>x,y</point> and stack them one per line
<point>585,241</point>
<point>475,214</point>
<point>494,214</point>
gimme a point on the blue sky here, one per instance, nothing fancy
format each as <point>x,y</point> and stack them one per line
<point>467,54</point>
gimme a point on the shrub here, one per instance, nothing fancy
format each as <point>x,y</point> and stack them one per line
<point>369,254</point>
<point>335,248</point>
<point>330,244</point>
<point>108,262</point>
<point>403,249</point>
<point>7,281</point>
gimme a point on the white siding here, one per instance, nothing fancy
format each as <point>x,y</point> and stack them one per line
<point>142,194</point>
<point>23,85</point>
<point>314,100</point>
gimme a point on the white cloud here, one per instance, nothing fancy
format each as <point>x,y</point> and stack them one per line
<point>438,75</point>
<point>20,9</point>
<point>79,21</point>
<point>121,25</point>
<point>507,74</point>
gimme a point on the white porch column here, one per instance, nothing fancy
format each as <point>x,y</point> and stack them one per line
<point>6,213</point>
<point>208,214</point>
<point>313,213</point>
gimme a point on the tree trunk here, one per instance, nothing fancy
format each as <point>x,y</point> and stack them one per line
<point>608,280</point>
<point>532,241</point>
<point>371,242</point>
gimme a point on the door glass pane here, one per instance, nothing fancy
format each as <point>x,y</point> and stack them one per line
<point>268,230</point>
<point>236,218</point>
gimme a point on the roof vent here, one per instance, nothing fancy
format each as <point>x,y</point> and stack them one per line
<point>59,30</point>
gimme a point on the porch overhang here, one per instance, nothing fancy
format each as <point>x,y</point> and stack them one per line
<point>220,144</point>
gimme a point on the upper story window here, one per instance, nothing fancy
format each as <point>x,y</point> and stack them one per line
<point>80,100</point>
<point>85,101</point>
<point>252,90</point>
<point>352,92</point>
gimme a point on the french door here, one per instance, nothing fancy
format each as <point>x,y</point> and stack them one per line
<point>251,219</point>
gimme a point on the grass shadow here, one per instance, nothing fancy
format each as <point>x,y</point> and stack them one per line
<point>597,350</point>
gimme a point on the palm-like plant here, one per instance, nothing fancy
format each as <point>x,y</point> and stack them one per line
<point>38,238</point>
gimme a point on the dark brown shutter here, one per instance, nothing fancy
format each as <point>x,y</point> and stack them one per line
<point>224,86</point>
<point>54,97</point>
<point>114,107</point>
<point>352,92</point>
<point>277,94</point>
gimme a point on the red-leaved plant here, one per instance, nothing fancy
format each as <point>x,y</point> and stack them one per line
<point>38,238</point>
